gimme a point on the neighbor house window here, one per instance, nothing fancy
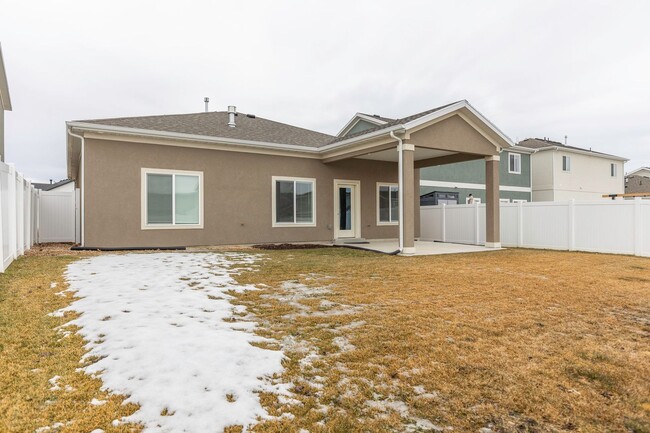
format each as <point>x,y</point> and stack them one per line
<point>172,199</point>
<point>566,163</point>
<point>612,170</point>
<point>387,203</point>
<point>514,163</point>
<point>294,201</point>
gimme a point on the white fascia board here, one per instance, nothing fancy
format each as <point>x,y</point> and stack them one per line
<point>583,152</point>
<point>5,99</point>
<point>360,138</point>
<point>466,185</point>
<point>94,127</point>
<point>355,119</point>
<point>521,149</point>
<point>454,107</point>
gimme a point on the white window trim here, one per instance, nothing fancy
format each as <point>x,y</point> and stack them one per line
<point>568,158</point>
<point>274,179</point>
<point>143,199</point>
<point>386,223</point>
<point>517,156</point>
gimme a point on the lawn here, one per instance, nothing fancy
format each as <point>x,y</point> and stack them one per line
<point>507,341</point>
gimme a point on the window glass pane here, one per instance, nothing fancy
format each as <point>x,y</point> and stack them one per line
<point>187,199</point>
<point>159,199</point>
<point>304,202</point>
<point>394,204</point>
<point>384,204</point>
<point>284,201</point>
<point>345,208</point>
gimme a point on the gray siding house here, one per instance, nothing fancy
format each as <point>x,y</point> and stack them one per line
<point>638,181</point>
<point>453,183</point>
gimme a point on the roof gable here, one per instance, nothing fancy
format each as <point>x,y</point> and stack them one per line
<point>361,122</point>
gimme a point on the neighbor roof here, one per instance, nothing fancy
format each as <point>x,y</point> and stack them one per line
<point>49,186</point>
<point>640,169</point>
<point>215,124</point>
<point>541,143</point>
<point>5,100</point>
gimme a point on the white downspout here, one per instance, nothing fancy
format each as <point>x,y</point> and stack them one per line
<point>83,181</point>
<point>400,195</point>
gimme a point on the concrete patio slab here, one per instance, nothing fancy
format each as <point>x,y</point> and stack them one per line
<point>422,248</point>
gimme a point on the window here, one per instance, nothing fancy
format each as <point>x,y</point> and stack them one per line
<point>387,204</point>
<point>172,199</point>
<point>566,163</point>
<point>294,201</point>
<point>612,169</point>
<point>504,200</point>
<point>514,163</point>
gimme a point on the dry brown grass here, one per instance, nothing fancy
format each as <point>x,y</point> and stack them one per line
<point>515,341</point>
<point>32,352</point>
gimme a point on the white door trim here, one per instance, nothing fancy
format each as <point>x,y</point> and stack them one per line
<point>356,207</point>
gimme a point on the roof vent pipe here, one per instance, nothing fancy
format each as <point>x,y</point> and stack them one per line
<point>207,101</point>
<point>232,111</point>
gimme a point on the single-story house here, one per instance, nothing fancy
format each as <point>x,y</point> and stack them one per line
<point>62,185</point>
<point>561,172</point>
<point>232,178</point>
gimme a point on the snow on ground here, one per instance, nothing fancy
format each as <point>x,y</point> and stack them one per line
<point>164,332</point>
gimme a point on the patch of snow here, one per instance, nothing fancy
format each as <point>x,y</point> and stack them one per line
<point>164,331</point>
<point>96,402</point>
<point>53,285</point>
<point>98,430</point>
<point>344,344</point>
<point>54,383</point>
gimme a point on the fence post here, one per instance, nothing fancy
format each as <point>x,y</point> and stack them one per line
<point>476,224</point>
<point>520,224</point>
<point>28,215</point>
<point>444,222</point>
<point>13,239</point>
<point>637,230</point>
<point>572,224</point>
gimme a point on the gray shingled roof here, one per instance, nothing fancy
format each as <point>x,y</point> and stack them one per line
<point>215,124</point>
<point>377,116</point>
<point>539,143</point>
<point>49,186</point>
<point>392,122</point>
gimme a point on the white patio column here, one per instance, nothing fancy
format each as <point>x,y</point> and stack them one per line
<point>406,198</point>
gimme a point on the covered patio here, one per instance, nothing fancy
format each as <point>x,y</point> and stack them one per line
<point>421,248</point>
<point>451,134</point>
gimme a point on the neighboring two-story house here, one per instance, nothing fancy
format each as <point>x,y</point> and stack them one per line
<point>5,105</point>
<point>453,183</point>
<point>561,172</point>
<point>638,181</point>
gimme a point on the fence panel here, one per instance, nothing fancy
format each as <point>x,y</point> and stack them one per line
<point>618,227</point>
<point>18,224</point>
<point>57,216</point>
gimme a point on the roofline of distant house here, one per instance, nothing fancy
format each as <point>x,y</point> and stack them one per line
<point>580,151</point>
<point>355,119</point>
<point>636,170</point>
<point>5,99</point>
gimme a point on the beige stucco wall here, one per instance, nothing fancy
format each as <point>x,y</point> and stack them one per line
<point>453,134</point>
<point>237,195</point>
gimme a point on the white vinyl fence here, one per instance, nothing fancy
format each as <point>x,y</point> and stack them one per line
<point>58,220</point>
<point>605,226</point>
<point>19,207</point>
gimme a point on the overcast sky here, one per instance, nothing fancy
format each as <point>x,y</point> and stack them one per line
<point>535,68</point>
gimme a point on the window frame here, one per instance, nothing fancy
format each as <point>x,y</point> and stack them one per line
<point>568,164</point>
<point>516,157</point>
<point>274,222</point>
<point>378,210</point>
<point>145,225</point>
<point>613,169</point>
